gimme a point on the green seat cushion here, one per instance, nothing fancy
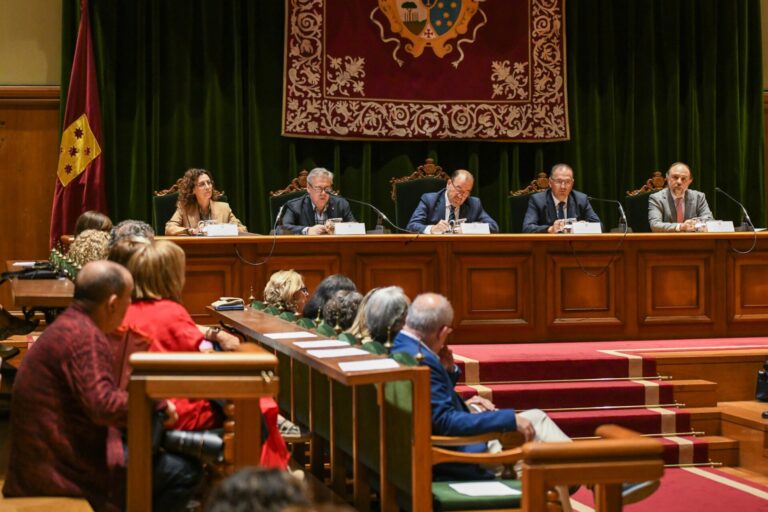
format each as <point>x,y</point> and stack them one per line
<point>288,316</point>
<point>345,336</point>
<point>325,329</point>
<point>272,310</point>
<point>257,304</point>
<point>306,323</point>
<point>374,347</point>
<point>445,498</point>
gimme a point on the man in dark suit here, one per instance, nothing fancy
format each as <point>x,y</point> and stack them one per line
<point>676,208</point>
<point>310,213</point>
<point>437,211</point>
<point>427,327</point>
<point>548,210</point>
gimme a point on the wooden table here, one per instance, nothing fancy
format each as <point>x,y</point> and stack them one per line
<point>520,288</point>
<point>46,295</point>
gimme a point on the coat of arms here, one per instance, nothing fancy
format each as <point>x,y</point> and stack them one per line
<point>430,24</point>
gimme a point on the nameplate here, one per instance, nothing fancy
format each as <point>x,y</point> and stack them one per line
<point>220,230</point>
<point>348,228</point>
<point>586,228</point>
<point>475,228</point>
<point>720,226</point>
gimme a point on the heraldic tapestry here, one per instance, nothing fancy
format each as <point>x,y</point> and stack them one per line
<point>425,69</point>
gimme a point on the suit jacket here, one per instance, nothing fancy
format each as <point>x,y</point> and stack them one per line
<point>299,213</point>
<point>541,211</point>
<point>662,214</point>
<point>431,210</point>
<point>190,217</point>
<point>450,415</point>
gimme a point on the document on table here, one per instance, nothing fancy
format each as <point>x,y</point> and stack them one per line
<point>321,344</point>
<point>338,352</point>
<point>25,264</point>
<point>367,365</point>
<point>289,335</point>
<point>479,489</point>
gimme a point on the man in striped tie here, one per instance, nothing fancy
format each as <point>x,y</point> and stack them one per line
<point>676,208</point>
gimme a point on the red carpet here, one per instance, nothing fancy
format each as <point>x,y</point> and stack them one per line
<point>694,489</point>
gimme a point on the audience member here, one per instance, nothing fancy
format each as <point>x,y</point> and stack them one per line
<point>359,329</point>
<point>90,245</point>
<point>66,399</point>
<point>257,490</point>
<point>130,227</point>
<point>324,291</point>
<point>310,214</point>
<point>285,291</point>
<point>156,312</point>
<point>124,248</point>
<point>341,308</point>
<point>92,220</point>
<point>676,208</point>
<point>548,210</point>
<point>385,313</point>
<point>438,212</point>
<point>427,327</point>
<point>199,202</point>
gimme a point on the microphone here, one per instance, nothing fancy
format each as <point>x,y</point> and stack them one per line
<point>381,214</point>
<point>622,216</point>
<point>278,216</point>
<point>746,222</point>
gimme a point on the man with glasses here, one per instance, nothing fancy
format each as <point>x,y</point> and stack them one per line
<point>310,214</point>
<point>438,212</point>
<point>548,210</point>
<point>675,208</point>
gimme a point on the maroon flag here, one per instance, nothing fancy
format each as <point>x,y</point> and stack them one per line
<point>80,174</point>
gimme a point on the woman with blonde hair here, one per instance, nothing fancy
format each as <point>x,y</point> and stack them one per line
<point>285,291</point>
<point>198,202</point>
<point>156,313</point>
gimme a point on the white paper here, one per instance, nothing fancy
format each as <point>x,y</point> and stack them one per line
<point>338,352</point>
<point>220,230</point>
<point>368,364</point>
<point>478,489</point>
<point>586,228</point>
<point>321,344</point>
<point>349,228</point>
<point>289,335</point>
<point>24,264</point>
<point>475,228</point>
<point>720,226</point>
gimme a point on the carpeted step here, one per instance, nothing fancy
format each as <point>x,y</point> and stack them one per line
<point>574,394</point>
<point>705,419</point>
<point>644,421</point>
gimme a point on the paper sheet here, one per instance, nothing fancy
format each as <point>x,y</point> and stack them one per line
<point>338,352</point>
<point>24,264</point>
<point>367,365</point>
<point>289,335</point>
<point>479,489</point>
<point>321,344</point>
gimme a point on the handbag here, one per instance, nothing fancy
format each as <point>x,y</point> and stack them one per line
<point>761,389</point>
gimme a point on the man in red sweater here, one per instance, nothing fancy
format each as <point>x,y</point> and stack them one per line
<point>66,400</point>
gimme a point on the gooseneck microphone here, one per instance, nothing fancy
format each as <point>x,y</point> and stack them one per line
<point>381,214</point>
<point>747,221</point>
<point>622,216</point>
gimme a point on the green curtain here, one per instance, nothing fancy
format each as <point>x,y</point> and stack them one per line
<point>198,83</point>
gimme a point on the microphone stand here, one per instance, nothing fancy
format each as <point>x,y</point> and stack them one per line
<point>745,224</point>
<point>381,215</point>
<point>271,249</point>
<point>622,217</point>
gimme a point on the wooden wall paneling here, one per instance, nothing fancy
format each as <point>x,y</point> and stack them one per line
<point>415,272</point>
<point>207,279</point>
<point>585,291</point>
<point>492,292</point>
<point>312,267</point>
<point>677,287</point>
<point>29,152</point>
<point>747,288</point>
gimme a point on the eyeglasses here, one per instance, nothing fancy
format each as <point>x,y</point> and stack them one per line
<point>319,190</point>
<point>204,184</point>
<point>563,182</point>
<point>459,192</point>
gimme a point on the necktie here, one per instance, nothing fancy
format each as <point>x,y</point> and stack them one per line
<point>680,209</point>
<point>561,210</point>
<point>451,215</point>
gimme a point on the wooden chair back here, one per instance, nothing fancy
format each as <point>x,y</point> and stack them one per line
<point>407,190</point>
<point>518,200</point>
<point>277,198</point>
<point>637,202</point>
<point>164,205</point>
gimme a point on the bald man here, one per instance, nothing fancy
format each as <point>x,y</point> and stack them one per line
<point>437,211</point>
<point>676,208</point>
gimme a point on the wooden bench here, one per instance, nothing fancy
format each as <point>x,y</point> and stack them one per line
<point>241,377</point>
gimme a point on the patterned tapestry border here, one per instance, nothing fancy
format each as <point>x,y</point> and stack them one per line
<point>343,96</point>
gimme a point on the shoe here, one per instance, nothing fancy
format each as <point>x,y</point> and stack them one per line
<point>637,491</point>
<point>7,352</point>
<point>287,428</point>
<point>14,325</point>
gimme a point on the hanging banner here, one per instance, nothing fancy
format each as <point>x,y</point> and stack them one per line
<point>425,69</point>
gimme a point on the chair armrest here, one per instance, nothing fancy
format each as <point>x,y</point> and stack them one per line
<point>507,439</point>
<point>506,457</point>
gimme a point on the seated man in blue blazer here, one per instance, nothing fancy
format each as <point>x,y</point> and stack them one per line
<point>309,214</point>
<point>438,210</point>
<point>427,326</point>
<point>548,210</point>
<point>676,208</point>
